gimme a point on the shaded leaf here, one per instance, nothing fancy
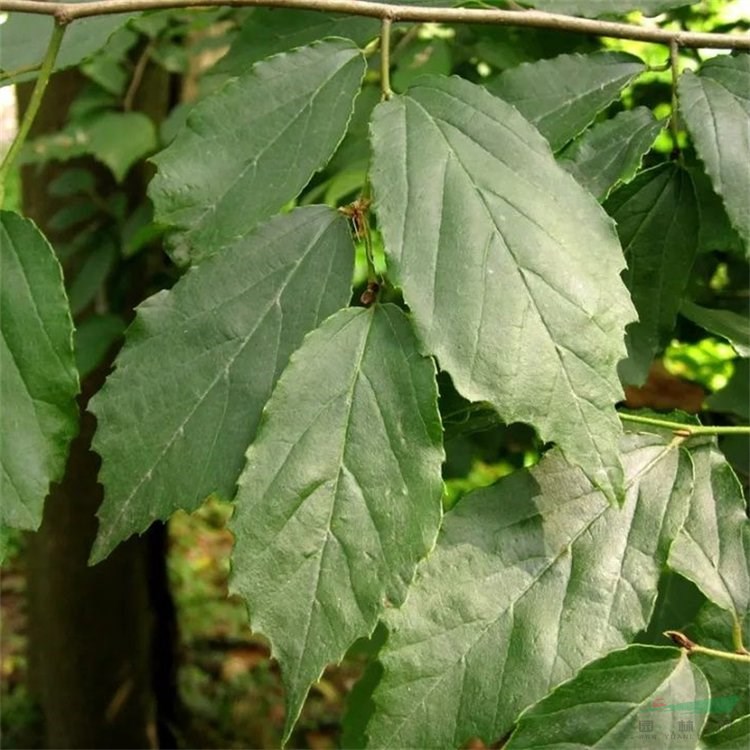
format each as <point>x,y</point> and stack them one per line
<point>734,736</point>
<point>594,8</point>
<point>562,96</point>
<point>199,364</point>
<point>732,326</point>
<point>250,147</point>
<point>341,495</point>
<point>716,109</point>
<point>531,579</point>
<point>611,151</point>
<point>268,31</point>
<point>657,221</point>
<point>610,700</point>
<point>730,687</point>
<point>93,339</point>
<point>716,231</point>
<point>24,38</point>
<point>493,245</point>
<point>734,397</point>
<point>713,547</point>
<point>102,137</point>
<point>38,378</point>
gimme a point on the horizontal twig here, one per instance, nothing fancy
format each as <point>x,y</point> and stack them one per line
<point>67,12</point>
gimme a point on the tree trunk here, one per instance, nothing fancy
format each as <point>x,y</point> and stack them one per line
<point>101,640</point>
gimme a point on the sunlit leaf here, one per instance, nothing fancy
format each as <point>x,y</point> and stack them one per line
<point>531,579</point>
<point>510,268</point>
<point>615,700</point>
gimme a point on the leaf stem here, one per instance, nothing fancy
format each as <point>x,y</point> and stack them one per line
<point>691,647</point>
<point>737,642</point>
<point>45,71</point>
<point>686,430</point>
<point>385,58</point>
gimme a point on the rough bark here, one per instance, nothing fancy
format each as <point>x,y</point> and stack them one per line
<point>102,639</point>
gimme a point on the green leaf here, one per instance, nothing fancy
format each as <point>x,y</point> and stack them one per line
<point>594,8</point>
<point>24,38</point>
<point>102,137</point>
<point>531,579</point>
<point>562,96</point>
<point>253,145</point>
<point>268,31</point>
<point>508,265</point>
<point>38,379</point>
<point>734,736</point>
<point>657,220</point>
<point>734,397</point>
<point>341,495</point>
<point>730,687</point>
<point>732,326</point>
<point>620,701</point>
<point>716,232</point>
<point>716,109</point>
<point>93,339</point>
<point>713,547</point>
<point>611,151</point>
<point>200,362</point>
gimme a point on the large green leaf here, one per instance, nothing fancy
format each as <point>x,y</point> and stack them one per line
<point>563,95</point>
<point>24,38</point>
<point>249,148</point>
<point>531,579</point>
<point>611,151</point>
<point>657,220</point>
<point>716,108</point>
<point>199,364</point>
<point>594,8</point>
<point>341,495</point>
<point>38,377</point>
<point>510,268</point>
<point>734,736</point>
<point>730,325</point>
<point>713,548</point>
<point>611,703</point>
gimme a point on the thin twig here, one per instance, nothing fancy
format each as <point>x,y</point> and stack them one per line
<point>138,73</point>
<point>48,64</point>
<point>67,12</point>
<point>691,647</point>
<point>385,58</point>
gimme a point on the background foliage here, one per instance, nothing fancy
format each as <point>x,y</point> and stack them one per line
<point>415,402</point>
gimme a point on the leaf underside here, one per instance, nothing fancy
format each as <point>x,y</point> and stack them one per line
<point>531,579</point>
